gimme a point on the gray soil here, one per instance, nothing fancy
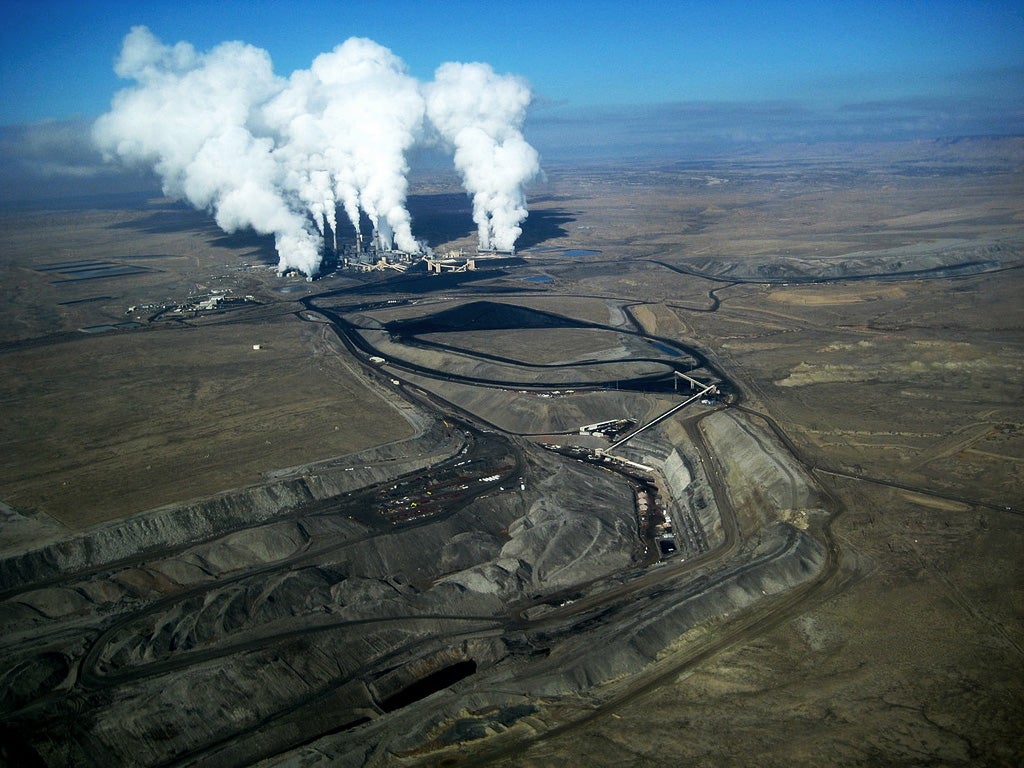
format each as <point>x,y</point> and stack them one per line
<point>306,558</point>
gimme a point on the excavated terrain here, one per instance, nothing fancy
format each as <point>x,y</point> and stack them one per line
<point>306,610</point>
<point>748,464</point>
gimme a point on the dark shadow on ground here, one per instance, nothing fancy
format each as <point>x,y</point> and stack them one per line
<point>114,201</point>
<point>442,217</point>
<point>259,247</point>
<point>543,225</point>
<point>167,216</point>
<point>416,280</point>
<point>437,218</point>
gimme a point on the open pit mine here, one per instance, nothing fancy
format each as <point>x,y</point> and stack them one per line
<point>557,531</point>
<point>734,480</point>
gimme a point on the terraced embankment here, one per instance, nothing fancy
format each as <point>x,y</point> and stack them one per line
<point>187,524</point>
<point>623,632</point>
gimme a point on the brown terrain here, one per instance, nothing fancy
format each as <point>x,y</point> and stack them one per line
<point>294,555</point>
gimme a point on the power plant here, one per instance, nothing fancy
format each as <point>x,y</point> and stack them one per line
<point>335,138</point>
<point>357,257</point>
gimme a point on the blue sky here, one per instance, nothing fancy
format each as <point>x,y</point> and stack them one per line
<point>613,77</point>
<point>57,56</point>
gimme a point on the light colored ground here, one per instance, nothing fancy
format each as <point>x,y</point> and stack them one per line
<point>101,427</point>
<point>851,295</point>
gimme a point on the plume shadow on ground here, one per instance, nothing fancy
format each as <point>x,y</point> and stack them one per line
<point>258,247</point>
<point>100,201</point>
<point>441,217</point>
<point>545,224</point>
<point>164,216</point>
<point>437,218</point>
<point>418,281</point>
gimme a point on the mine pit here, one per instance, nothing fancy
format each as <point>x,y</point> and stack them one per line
<point>403,575</point>
<point>432,683</point>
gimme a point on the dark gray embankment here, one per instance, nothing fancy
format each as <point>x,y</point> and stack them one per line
<point>781,559</point>
<point>598,648</point>
<point>175,526</point>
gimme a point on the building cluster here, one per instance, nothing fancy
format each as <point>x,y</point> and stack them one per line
<point>358,257</point>
<point>609,430</point>
<point>217,301</point>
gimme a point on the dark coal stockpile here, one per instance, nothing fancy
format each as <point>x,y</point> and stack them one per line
<point>481,316</point>
<point>283,155</point>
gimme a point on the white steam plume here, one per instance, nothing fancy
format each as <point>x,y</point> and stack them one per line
<point>189,119</point>
<point>355,114</point>
<point>281,155</point>
<point>481,114</point>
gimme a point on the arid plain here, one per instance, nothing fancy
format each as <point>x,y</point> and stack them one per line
<point>169,469</point>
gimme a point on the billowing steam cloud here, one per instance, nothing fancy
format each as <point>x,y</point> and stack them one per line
<point>481,114</point>
<point>345,126</point>
<point>189,118</point>
<point>282,155</point>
